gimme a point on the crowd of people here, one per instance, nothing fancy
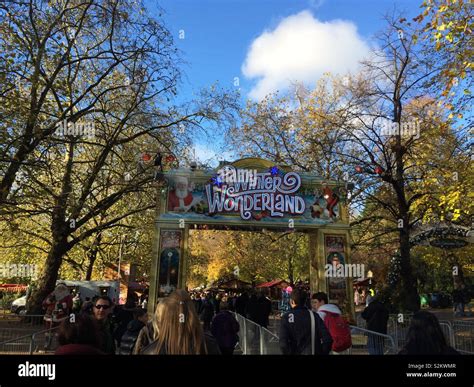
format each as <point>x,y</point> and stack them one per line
<point>255,306</point>
<point>182,324</point>
<point>197,323</point>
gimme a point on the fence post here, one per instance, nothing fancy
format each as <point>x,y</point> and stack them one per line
<point>245,338</point>
<point>261,340</point>
<point>396,345</point>
<point>32,343</point>
<point>452,338</point>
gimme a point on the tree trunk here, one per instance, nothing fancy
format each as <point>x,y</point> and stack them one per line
<point>90,266</point>
<point>92,256</point>
<point>48,277</point>
<point>60,229</point>
<point>409,297</point>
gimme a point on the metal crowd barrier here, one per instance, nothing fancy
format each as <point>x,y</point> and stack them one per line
<point>397,327</point>
<point>20,345</point>
<point>459,334</point>
<point>42,342</point>
<point>22,321</point>
<point>255,339</point>
<point>365,342</point>
<point>14,326</point>
<point>462,336</point>
<point>28,340</point>
<point>448,332</point>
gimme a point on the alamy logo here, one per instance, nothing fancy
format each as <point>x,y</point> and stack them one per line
<point>8,270</point>
<point>403,129</point>
<point>229,175</point>
<point>37,370</point>
<point>345,271</point>
<point>82,129</point>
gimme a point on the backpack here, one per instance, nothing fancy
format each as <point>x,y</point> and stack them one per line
<point>339,331</point>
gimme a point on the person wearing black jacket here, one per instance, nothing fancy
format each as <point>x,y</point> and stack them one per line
<point>264,311</point>
<point>102,312</point>
<point>207,312</point>
<point>253,309</point>
<point>129,338</point>
<point>224,328</point>
<point>122,316</point>
<point>241,304</point>
<point>295,329</point>
<point>376,315</point>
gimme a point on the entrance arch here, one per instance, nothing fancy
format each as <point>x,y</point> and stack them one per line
<point>253,194</point>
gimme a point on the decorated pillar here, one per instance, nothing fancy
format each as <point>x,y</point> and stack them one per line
<point>167,266</point>
<point>183,268</point>
<point>316,264</point>
<point>338,270</point>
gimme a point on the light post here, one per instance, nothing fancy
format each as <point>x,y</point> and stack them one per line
<point>370,275</point>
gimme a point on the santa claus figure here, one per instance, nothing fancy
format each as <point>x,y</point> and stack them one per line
<point>58,304</point>
<point>180,198</point>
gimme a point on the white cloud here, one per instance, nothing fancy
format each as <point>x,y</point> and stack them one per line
<point>302,48</point>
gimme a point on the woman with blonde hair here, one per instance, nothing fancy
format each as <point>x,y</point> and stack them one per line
<point>178,330</point>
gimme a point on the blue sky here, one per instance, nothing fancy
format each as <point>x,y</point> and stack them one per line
<point>265,44</point>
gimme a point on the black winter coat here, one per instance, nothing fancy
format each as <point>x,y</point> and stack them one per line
<point>376,315</point>
<point>130,336</point>
<point>295,333</point>
<point>224,328</point>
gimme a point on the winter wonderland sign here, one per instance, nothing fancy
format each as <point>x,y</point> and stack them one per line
<point>247,191</point>
<point>251,190</point>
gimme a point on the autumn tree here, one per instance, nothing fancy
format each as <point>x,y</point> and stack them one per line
<point>108,65</point>
<point>379,128</point>
<point>446,28</point>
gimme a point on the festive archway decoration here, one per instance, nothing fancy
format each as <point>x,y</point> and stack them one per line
<point>251,194</point>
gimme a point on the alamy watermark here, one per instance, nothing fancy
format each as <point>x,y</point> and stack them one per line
<point>82,129</point>
<point>28,369</point>
<point>8,270</point>
<point>228,175</point>
<point>341,270</point>
<point>403,129</point>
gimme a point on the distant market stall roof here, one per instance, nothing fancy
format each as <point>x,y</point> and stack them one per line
<point>232,285</point>
<point>274,283</point>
